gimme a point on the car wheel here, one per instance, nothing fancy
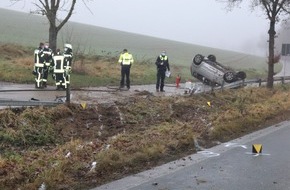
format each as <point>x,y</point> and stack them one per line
<point>212,58</point>
<point>241,75</point>
<point>229,77</point>
<point>198,59</point>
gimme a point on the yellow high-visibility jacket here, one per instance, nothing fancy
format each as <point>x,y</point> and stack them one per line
<point>126,59</point>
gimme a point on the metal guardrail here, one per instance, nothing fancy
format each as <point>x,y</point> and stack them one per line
<point>36,102</point>
<point>239,84</point>
<point>259,81</point>
<point>32,102</point>
<point>18,103</point>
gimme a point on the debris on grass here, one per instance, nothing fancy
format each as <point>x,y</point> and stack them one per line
<point>68,147</point>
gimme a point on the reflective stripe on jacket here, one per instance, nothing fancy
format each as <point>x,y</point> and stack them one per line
<point>163,58</point>
<point>58,61</point>
<point>126,59</point>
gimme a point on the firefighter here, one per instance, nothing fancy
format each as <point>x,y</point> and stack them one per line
<point>68,57</point>
<point>126,60</point>
<point>162,64</point>
<point>47,55</point>
<point>38,65</point>
<point>58,70</point>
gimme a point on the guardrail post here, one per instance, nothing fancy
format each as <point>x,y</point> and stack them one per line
<point>260,82</point>
<point>283,80</point>
<point>222,87</point>
<point>68,94</point>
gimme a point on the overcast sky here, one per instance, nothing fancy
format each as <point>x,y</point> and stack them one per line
<point>201,22</point>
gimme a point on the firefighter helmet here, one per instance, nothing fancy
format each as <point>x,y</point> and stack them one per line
<point>69,46</point>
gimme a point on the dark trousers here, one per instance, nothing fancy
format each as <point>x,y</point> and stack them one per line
<point>59,79</point>
<point>160,79</point>
<point>45,74</point>
<point>125,72</point>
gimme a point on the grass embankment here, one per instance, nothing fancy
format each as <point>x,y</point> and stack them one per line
<point>91,70</point>
<point>88,70</point>
<point>58,146</point>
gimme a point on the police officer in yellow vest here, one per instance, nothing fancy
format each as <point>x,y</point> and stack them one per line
<point>162,64</point>
<point>126,61</point>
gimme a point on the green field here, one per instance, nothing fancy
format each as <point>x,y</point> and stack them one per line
<point>28,30</point>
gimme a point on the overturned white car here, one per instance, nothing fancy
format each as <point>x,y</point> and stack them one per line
<point>210,72</point>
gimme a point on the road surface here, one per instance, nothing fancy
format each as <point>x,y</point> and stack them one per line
<point>89,95</point>
<point>227,166</point>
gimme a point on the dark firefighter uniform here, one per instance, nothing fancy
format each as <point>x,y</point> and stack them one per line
<point>38,66</point>
<point>68,57</point>
<point>126,60</point>
<point>58,71</point>
<point>162,64</point>
<point>62,67</point>
<point>47,55</point>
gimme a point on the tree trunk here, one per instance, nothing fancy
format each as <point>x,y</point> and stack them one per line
<point>272,34</point>
<point>53,37</point>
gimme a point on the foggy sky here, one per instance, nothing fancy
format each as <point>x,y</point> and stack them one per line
<point>201,22</point>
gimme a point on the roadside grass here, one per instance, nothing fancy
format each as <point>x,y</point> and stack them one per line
<point>88,70</point>
<point>249,108</point>
<point>53,146</point>
<point>94,70</point>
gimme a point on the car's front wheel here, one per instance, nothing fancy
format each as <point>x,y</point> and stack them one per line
<point>198,59</point>
<point>229,77</point>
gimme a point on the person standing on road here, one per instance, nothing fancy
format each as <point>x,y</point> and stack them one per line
<point>68,58</point>
<point>62,66</point>
<point>47,55</point>
<point>126,60</point>
<point>38,65</point>
<point>162,64</point>
<point>58,70</point>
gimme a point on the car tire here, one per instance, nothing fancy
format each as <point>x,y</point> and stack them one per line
<point>211,58</point>
<point>197,59</point>
<point>229,77</point>
<point>241,75</point>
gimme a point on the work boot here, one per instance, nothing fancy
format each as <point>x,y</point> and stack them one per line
<point>162,90</point>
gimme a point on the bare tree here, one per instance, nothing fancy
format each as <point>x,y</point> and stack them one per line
<point>51,9</point>
<point>275,10</point>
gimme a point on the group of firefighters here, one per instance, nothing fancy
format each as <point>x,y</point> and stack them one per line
<point>58,63</point>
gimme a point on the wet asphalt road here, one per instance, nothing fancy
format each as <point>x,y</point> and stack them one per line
<point>229,166</point>
<point>89,95</point>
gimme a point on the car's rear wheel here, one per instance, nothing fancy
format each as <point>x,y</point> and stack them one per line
<point>212,58</point>
<point>198,59</point>
<point>229,77</point>
<point>241,75</point>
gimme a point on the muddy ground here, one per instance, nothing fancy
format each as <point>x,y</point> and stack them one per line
<point>100,114</point>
